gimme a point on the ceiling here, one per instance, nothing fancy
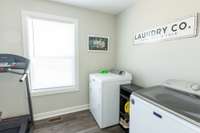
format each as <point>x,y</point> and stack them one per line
<point>108,6</point>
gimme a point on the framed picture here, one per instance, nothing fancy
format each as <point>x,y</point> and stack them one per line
<point>98,43</point>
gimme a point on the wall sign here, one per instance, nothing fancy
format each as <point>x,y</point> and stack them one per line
<point>183,28</point>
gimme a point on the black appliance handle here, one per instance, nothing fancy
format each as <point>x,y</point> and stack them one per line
<point>157,115</point>
<point>132,101</point>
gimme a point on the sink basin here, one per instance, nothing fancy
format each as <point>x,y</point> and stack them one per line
<point>179,102</point>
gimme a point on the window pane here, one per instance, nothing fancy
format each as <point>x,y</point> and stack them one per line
<point>48,73</point>
<point>51,45</point>
<point>53,38</point>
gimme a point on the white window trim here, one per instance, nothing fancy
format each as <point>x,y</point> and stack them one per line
<point>51,91</point>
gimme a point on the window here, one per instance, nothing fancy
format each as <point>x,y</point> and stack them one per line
<point>51,47</point>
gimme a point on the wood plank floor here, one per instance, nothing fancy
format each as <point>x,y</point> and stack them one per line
<point>81,122</point>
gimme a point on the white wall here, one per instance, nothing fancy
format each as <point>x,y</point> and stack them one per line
<point>12,93</point>
<point>156,62</point>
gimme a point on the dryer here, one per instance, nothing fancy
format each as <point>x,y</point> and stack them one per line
<point>104,96</point>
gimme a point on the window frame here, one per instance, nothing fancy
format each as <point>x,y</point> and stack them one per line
<point>52,90</point>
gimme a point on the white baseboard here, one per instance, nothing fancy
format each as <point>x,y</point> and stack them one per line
<point>45,115</point>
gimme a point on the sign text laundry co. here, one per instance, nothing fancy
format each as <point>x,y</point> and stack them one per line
<point>183,28</point>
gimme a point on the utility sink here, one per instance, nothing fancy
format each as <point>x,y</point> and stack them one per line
<point>183,103</point>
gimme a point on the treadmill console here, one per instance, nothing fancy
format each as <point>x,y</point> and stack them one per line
<point>11,62</point>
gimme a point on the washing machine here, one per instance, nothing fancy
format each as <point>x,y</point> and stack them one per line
<point>104,94</point>
<point>172,107</point>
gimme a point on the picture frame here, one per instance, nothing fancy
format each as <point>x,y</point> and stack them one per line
<point>98,43</point>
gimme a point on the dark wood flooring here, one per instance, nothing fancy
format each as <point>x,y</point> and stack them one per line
<point>81,122</point>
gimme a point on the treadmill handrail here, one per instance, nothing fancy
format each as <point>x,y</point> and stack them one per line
<point>24,76</point>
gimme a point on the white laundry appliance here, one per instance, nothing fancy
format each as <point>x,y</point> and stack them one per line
<point>173,107</point>
<point>104,96</point>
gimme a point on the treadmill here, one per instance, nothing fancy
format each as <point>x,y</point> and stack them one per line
<point>17,65</point>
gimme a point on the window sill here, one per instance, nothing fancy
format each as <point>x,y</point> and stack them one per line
<point>55,91</point>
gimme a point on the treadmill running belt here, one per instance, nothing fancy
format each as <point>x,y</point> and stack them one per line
<point>17,125</point>
<point>11,130</point>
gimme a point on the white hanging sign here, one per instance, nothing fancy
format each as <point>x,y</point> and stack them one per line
<point>183,28</point>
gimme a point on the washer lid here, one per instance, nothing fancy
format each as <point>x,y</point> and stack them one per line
<point>111,77</point>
